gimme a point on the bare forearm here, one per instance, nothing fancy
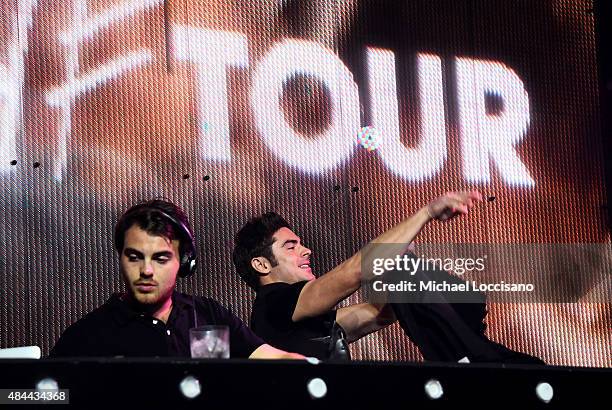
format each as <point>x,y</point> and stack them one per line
<point>266,351</point>
<point>364,318</point>
<point>395,241</point>
<point>407,230</point>
<point>398,238</point>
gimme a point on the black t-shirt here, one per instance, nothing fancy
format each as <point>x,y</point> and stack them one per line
<point>116,329</point>
<point>271,320</point>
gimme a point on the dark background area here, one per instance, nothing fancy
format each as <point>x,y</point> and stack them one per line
<point>603,20</point>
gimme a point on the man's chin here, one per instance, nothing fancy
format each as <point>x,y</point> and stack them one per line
<point>148,298</point>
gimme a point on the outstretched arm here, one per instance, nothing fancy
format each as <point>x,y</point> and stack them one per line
<point>320,295</point>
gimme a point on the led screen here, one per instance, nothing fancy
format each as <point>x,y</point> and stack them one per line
<point>344,116</point>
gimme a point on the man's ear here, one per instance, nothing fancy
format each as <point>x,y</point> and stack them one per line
<point>261,265</point>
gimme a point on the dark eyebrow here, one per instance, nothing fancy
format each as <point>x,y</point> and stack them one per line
<point>129,251</point>
<point>290,241</point>
<point>132,251</point>
<point>167,254</point>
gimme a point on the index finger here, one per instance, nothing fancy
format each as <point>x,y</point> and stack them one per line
<point>473,195</point>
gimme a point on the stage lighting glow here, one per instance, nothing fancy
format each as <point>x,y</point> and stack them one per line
<point>369,138</point>
<point>433,389</point>
<point>545,392</point>
<point>317,388</point>
<point>190,387</point>
<point>47,384</point>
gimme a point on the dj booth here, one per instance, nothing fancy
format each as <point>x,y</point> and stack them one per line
<point>212,383</point>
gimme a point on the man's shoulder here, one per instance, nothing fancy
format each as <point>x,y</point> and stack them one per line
<point>275,303</point>
<point>184,299</point>
<point>97,317</point>
<point>82,337</point>
<point>280,287</point>
<point>208,309</point>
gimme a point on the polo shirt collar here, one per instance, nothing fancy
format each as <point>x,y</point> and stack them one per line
<point>124,312</point>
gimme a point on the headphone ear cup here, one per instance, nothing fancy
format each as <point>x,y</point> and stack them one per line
<point>188,265</point>
<point>193,264</point>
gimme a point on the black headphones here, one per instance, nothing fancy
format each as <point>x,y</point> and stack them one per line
<point>188,259</point>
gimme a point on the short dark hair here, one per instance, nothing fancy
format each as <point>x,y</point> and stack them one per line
<point>255,239</point>
<point>151,217</point>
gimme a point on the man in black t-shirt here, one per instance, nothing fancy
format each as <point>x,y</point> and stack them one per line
<point>271,319</point>
<point>155,245</point>
<point>293,309</point>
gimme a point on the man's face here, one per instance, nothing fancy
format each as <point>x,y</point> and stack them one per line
<point>149,265</point>
<point>293,259</point>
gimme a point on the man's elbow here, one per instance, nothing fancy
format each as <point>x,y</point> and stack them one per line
<point>266,351</point>
<point>353,273</point>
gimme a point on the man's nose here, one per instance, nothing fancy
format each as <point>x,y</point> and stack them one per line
<point>146,269</point>
<point>306,251</point>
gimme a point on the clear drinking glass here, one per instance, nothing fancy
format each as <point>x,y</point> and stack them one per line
<point>211,341</point>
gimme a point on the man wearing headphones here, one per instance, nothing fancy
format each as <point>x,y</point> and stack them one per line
<point>155,245</point>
